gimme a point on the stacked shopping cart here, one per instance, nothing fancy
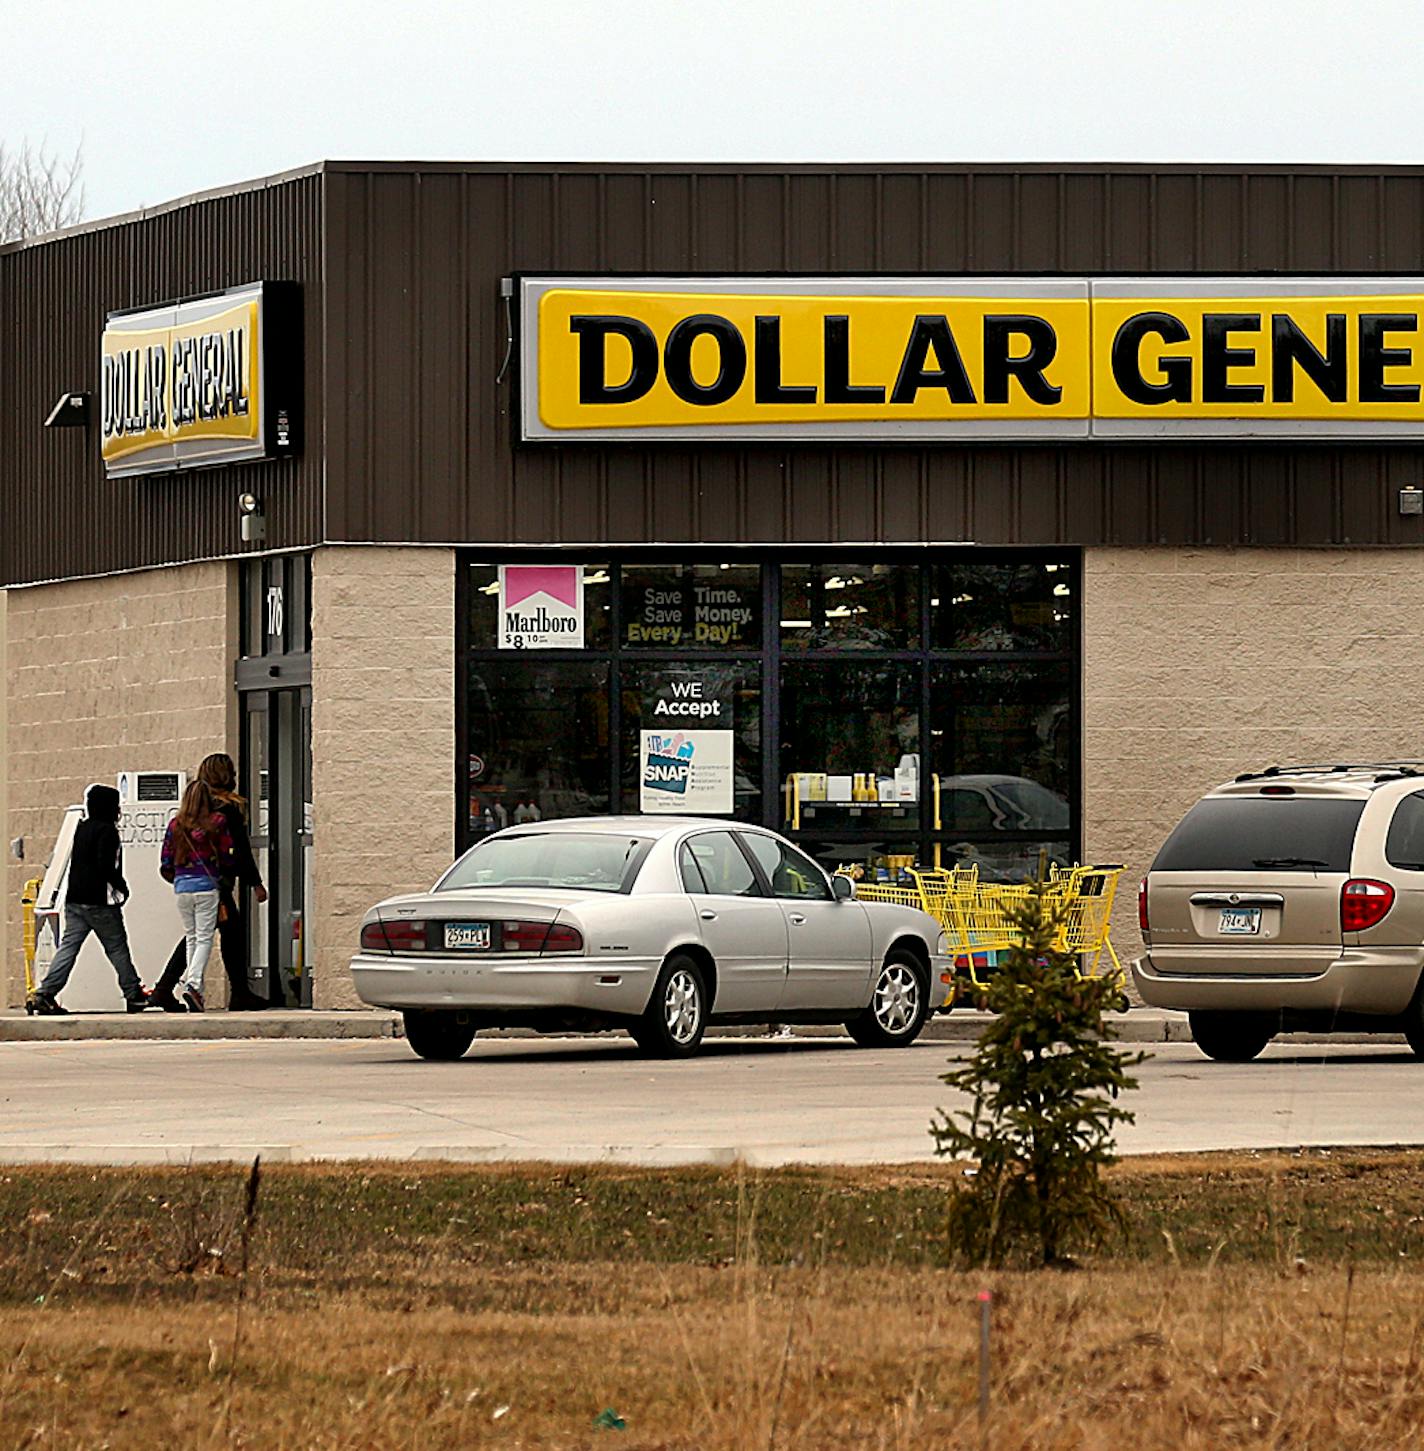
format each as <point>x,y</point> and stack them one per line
<point>979,917</point>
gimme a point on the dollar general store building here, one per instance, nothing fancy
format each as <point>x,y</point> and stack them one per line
<point>952,511</point>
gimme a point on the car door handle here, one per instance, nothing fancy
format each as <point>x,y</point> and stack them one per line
<point>707,915</point>
<point>797,918</point>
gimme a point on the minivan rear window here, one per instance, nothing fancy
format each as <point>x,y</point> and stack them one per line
<point>1263,833</point>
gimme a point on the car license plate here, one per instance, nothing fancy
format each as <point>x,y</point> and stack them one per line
<point>470,935</point>
<point>1240,921</point>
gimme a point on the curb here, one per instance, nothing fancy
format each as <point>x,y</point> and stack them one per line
<point>156,1027</point>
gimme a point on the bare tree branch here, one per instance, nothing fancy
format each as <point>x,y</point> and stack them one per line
<point>40,191</point>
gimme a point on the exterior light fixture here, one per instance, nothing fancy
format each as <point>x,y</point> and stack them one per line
<point>254,522</point>
<point>72,411</point>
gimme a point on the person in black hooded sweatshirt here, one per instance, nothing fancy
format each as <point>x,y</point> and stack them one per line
<point>94,903</point>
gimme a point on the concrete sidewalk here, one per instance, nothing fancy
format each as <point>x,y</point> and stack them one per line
<point>1140,1025</point>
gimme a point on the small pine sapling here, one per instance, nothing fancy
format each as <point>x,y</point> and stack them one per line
<point>1043,1084</point>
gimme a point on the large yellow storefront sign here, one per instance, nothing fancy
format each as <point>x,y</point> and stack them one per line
<point>181,386</point>
<point>915,359</point>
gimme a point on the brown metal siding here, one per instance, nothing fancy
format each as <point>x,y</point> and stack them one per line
<point>59,516</point>
<point>425,452</point>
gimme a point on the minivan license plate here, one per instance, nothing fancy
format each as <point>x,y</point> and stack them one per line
<point>475,935</point>
<point>1240,921</point>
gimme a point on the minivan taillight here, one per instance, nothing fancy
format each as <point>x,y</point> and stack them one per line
<point>402,936</point>
<point>1364,904</point>
<point>1142,923</point>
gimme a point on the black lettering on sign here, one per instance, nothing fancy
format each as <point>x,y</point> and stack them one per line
<point>1375,357</point>
<point>1290,348</point>
<point>932,331</point>
<point>593,333</point>
<point>839,388</point>
<point>1127,360</point>
<point>767,384</point>
<point>1001,363</point>
<point>1218,359</point>
<point>732,359</point>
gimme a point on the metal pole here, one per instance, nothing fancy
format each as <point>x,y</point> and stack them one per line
<point>986,1300</point>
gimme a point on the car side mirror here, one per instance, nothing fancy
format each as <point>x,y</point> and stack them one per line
<point>842,888</point>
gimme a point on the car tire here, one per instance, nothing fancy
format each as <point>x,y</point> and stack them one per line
<point>898,1007</point>
<point>1411,1021</point>
<point>440,1037</point>
<point>676,1016</point>
<point>1231,1037</point>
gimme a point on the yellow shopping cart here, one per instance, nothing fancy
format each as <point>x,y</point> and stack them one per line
<point>979,917</point>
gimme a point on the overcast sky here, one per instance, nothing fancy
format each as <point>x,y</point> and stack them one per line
<point>168,98</point>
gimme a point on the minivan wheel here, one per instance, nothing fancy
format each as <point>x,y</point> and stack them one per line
<point>439,1036</point>
<point>1412,1022</point>
<point>1231,1037</point>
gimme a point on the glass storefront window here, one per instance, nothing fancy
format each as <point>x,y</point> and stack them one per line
<point>850,741</point>
<point>850,606</point>
<point>1002,738</point>
<point>733,686</point>
<point>968,656</point>
<point>1005,861</point>
<point>1024,605</point>
<point>539,741</point>
<point>691,606</point>
<point>483,612</point>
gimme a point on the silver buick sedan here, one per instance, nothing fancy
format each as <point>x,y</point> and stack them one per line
<point>655,925</point>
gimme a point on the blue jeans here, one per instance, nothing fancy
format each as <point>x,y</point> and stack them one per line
<point>107,924</point>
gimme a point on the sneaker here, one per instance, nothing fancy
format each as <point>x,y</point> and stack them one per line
<point>138,1004</point>
<point>163,998</point>
<point>45,1006</point>
<point>194,999</point>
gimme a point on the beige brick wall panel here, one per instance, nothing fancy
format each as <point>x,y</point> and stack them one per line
<point>383,739</point>
<point>103,675</point>
<point>1200,664</point>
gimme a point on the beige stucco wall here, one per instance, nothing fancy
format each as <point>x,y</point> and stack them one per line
<point>1201,664</point>
<point>129,672</point>
<point>383,740</point>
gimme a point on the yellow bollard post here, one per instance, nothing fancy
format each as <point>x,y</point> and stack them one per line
<point>28,897</point>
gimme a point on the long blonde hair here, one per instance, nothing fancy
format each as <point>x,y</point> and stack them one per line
<point>196,813</point>
<point>218,773</point>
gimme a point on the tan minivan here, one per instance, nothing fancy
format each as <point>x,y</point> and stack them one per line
<point>1291,899</point>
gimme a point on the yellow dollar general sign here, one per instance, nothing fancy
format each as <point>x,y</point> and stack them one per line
<point>1007,359</point>
<point>181,386</point>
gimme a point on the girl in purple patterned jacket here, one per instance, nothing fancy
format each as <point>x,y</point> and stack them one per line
<point>197,854</point>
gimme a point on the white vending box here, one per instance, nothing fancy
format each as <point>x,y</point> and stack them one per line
<point>147,802</point>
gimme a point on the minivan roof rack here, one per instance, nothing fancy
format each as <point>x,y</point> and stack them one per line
<point>1397,770</point>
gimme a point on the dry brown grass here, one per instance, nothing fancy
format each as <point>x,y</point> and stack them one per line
<point>420,1340</point>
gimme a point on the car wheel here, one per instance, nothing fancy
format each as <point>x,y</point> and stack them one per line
<point>898,1006</point>
<point>1411,1021</point>
<point>676,1015</point>
<point>1231,1037</point>
<point>440,1036</point>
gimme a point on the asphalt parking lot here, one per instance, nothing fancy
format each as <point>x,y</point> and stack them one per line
<point>769,1101</point>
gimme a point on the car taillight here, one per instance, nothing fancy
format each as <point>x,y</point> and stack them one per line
<point>1142,922</point>
<point>540,937</point>
<point>1364,903</point>
<point>402,936</point>
<point>524,936</point>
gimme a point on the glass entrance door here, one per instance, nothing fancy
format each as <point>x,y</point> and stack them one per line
<point>276,775</point>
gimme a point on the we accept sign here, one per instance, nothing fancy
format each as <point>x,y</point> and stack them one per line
<point>685,770</point>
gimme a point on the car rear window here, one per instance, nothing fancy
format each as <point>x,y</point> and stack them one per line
<point>574,861</point>
<point>1263,833</point>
